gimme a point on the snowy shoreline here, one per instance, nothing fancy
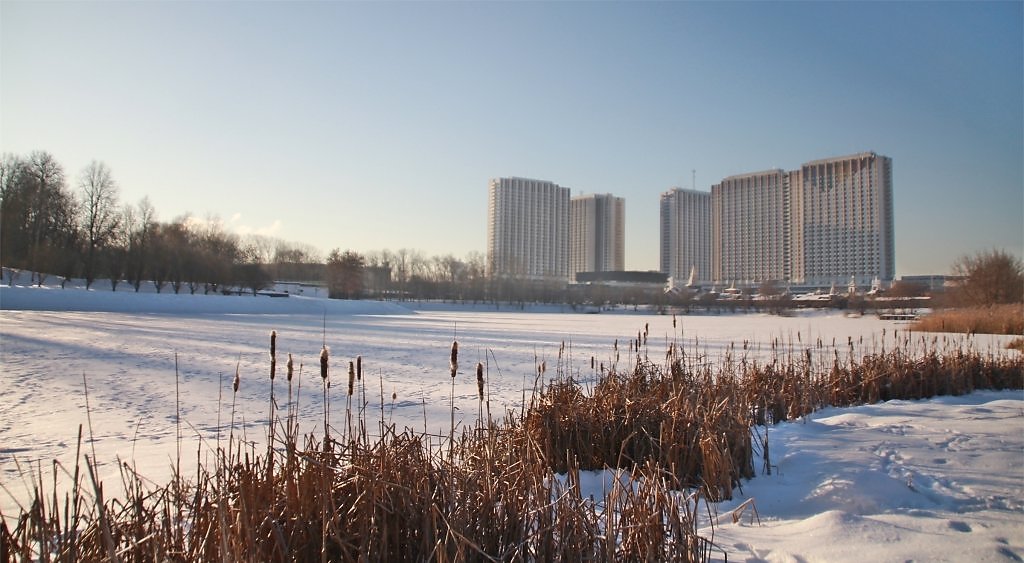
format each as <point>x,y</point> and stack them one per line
<point>938,479</point>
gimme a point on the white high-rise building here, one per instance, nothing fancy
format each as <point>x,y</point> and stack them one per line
<point>843,221</point>
<point>750,228</point>
<point>830,222</point>
<point>686,235</point>
<point>527,229</point>
<point>597,233</point>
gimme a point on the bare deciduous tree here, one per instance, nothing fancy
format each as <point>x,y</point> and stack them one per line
<point>41,212</point>
<point>11,167</point>
<point>990,277</point>
<point>99,215</point>
<point>344,274</point>
<point>140,247</point>
<point>116,264</point>
<point>295,261</point>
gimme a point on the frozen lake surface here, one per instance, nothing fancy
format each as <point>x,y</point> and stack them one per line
<point>127,347</point>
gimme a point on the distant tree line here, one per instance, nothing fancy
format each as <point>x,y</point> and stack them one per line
<point>85,231</point>
<point>53,226</point>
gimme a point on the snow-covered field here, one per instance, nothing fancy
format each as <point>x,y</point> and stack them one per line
<point>928,480</point>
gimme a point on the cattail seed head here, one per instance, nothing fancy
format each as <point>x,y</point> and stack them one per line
<point>359,368</point>
<point>480,379</point>
<point>291,366</point>
<point>237,380</point>
<point>394,395</point>
<point>455,357</point>
<point>351,376</point>
<point>273,354</point>
<point>324,358</point>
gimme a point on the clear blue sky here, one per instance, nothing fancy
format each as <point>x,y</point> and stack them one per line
<point>366,126</point>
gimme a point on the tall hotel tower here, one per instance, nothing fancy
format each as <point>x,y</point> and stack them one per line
<point>750,228</point>
<point>686,235</point>
<point>830,222</point>
<point>527,229</point>
<point>843,220</point>
<point>597,239</point>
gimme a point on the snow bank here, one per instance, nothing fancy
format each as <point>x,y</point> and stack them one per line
<point>933,480</point>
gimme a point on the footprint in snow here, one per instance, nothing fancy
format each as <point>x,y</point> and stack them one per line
<point>959,526</point>
<point>1008,553</point>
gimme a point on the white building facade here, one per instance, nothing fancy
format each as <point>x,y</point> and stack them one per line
<point>843,221</point>
<point>597,233</point>
<point>829,222</point>
<point>685,235</point>
<point>750,228</point>
<point>527,229</point>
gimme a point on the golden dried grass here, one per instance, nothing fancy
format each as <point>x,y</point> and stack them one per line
<point>677,434</point>
<point>995,319</point>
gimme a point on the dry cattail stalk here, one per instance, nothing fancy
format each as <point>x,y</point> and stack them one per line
<point>291,366</point>
<point>273,354</point>
<point>480,379</point>
<point>351,376</point>
<point>324,358</point>
<point>455,357</point>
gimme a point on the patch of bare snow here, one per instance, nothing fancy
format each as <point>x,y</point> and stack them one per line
<point>932,480</point>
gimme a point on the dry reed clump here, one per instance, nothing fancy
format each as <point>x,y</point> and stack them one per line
<point>505,489</point>
<point>693,419</point>
<point>995,319</point>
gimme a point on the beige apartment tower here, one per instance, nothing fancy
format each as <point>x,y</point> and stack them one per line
<point>830,222</point>
<point>750,228</point>
<point>842,220</point>
<point>527,229</point>
<point>685,243</point>
<point>597,233</point>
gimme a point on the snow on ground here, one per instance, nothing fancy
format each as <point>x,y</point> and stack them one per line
<point>929,480</point>
<point>933,480</point>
